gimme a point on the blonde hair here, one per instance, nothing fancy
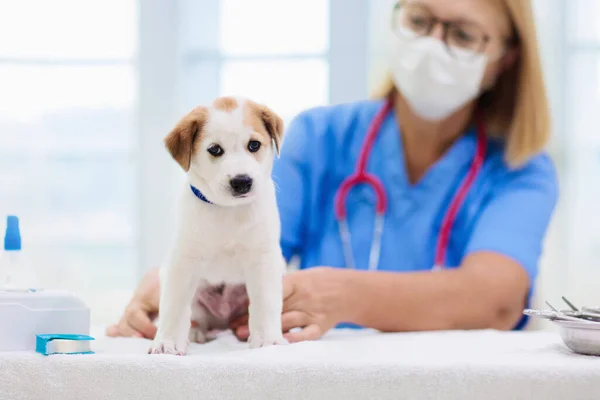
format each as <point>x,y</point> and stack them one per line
<point>517,107</point>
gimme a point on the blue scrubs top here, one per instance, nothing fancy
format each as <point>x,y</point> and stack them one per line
<point>506,211</point>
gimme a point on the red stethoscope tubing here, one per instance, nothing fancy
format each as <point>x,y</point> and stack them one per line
<point>361,176</point>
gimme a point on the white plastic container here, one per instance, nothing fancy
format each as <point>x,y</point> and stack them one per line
<point>27,313</point>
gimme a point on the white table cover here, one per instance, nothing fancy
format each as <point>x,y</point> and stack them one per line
<point>343,365</point>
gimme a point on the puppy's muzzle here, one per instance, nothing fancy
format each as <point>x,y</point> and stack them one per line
<point>240,185</point>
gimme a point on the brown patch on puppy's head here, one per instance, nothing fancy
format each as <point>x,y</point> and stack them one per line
<point>180,141</point>
<point>227,104</point>
<point>264,121</point>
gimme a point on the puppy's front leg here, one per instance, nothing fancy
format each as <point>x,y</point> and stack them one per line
<point>177,291</point>
<point>265,293</point>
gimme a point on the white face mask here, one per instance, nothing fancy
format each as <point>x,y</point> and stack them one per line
<point>433,82</point>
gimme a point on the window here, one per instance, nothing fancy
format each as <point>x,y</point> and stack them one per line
<point>290,55</point>
<point>279,57</point>
<point>67,142</point>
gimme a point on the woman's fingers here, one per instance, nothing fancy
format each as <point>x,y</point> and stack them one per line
<point>311,332</point>
<point>124,329</point>
<point>242,333</point>
<point>293,319</point>
<point>113,331</point>
<point>239,321</point>
<point>135,323</point>
<point>289,320</point>
<point>140,321</point>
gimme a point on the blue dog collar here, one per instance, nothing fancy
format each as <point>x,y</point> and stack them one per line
<point>199,195</point>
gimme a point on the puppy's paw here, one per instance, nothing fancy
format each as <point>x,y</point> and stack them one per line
<point>167,346</point>
<point>264,339</point>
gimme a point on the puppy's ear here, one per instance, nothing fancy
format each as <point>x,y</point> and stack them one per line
<point>180,141</point>
<point>274,125</point>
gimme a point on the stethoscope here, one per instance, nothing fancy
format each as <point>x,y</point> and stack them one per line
<point>361,176</point>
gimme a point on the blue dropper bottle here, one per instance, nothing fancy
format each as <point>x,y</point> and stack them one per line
<point>12,237</point>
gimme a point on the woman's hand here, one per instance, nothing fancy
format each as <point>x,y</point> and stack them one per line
<point>313,299</point>
<point>141,311</point>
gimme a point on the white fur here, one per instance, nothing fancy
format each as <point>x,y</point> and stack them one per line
<point>235,240</point>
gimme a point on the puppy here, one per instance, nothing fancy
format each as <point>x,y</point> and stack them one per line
<point>228,229</point>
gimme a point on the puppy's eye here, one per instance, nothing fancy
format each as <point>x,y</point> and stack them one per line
<point>253,146</point>
<point>215,150</point>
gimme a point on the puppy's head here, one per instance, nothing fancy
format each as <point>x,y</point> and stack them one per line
<point>227,148</point>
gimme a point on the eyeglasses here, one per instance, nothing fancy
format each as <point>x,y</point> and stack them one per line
<point>464,40</point>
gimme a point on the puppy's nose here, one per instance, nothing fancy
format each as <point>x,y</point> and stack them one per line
<point>241,184</point>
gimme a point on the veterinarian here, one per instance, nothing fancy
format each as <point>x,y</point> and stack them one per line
<point>426,207</point>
